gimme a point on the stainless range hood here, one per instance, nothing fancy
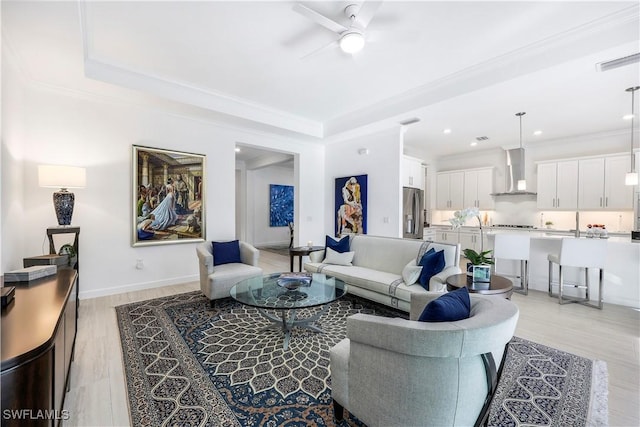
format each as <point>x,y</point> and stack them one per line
<point>514,172</point>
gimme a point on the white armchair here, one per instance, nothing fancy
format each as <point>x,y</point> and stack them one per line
<point>397,372</point>
<point>216,281</point>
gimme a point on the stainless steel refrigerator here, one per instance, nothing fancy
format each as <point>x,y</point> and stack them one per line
<point>412,220</point>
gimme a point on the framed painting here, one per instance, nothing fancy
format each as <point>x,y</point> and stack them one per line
<point>168,196</point>
<point>280,205</point>
<point>351,205</point>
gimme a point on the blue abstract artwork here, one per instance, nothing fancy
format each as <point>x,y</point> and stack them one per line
<point>281,205</point>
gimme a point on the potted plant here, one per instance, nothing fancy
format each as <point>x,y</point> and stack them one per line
<point>478,258</point>
<point>475,258</point>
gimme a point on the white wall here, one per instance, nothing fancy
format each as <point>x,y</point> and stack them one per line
<point>77,129</point>
<point>383,167</point>
<point>11,185</point>
<point>258,182</point>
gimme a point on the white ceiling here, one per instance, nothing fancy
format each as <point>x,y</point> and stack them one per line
<point>467,66</point>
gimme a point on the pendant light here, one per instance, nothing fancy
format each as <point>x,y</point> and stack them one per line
<point>631,178</point>
<point>522,183</point>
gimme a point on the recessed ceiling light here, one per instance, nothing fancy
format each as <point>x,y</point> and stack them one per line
<point>237,150</point>
<point>538,132</point>
<point>446,131</point>
<point>473,143</point>
<point>627,116</point>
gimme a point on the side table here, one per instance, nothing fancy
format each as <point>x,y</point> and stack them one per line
<point>51,231</point>
<point>301,251</point>
<point>498,285</point>
<point>64,230</point>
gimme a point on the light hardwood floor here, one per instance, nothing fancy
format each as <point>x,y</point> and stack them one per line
<point>97,395</point>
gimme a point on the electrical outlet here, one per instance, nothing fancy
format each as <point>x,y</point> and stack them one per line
<point>139,264</point>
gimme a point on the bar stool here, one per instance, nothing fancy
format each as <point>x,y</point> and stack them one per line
<point>513,247</point>
<point>580,253</point>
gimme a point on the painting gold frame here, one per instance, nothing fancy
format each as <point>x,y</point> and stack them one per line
<point>168,196</point>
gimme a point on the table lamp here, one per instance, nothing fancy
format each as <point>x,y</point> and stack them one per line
<point>62,177</point>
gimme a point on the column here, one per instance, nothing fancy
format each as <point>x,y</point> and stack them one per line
<point>145,169</point>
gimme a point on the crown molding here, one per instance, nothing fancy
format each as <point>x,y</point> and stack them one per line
<point>110,72</point>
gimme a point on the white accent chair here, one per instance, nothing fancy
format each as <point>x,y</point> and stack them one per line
<point>398,372</point>
<point>515,247</point>
<point>580,253</point>
<point>217,281</point>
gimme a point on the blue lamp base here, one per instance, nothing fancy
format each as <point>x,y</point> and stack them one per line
<point>63,201</point>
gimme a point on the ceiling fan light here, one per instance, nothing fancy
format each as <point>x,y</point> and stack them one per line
<point>352,42</point>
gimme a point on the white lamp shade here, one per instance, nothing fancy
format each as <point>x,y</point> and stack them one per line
<point>522,185</point>
<point>631,178</point>
<point>54,176</point>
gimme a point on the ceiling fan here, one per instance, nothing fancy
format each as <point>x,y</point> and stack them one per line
<point>352,38</point>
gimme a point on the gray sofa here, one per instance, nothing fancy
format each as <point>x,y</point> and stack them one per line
<point>376,273</point>
<point>216,281</point>
<point>398,372</point>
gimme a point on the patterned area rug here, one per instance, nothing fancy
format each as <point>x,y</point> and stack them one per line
<point>188,364</point>
<point>543,386</point>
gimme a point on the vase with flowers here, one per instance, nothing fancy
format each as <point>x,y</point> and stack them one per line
<point>475,258</point>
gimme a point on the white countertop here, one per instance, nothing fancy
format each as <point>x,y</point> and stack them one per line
<point>549,233</point>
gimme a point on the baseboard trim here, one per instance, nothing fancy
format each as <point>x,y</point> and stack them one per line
<point>95,293</point>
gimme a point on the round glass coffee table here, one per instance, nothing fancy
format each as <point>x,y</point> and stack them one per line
<point>265,293</point>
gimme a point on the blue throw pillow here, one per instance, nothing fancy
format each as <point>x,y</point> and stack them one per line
<point>432,263</point>
<point>341,245</point>
<point>226,252</point>
<point>452,306</point>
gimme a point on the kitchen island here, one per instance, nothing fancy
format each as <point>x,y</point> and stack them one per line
<point>621,273</point>
<point>622,267</point>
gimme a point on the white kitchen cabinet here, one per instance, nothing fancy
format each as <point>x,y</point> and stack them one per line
<point>446,236</point>
<point>601,183</point>
<point>429,234</point>
<point>558,185</point>
<point>478,186</point>
<point>412,173</point>
<point>617,195</point>
<point>450,190</point>
<point>546,186</point>
<point>470,239</point>
<point>591,183</point>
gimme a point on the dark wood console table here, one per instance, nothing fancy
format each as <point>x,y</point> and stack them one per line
<point>38,341</point>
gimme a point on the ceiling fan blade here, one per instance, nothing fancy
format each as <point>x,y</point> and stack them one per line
<point>319,19</point>
<point>320,50</point>
<point>367,11</point>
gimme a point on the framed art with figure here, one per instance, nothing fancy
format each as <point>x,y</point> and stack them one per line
<point>168,196</point>
<point>351,205</point>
